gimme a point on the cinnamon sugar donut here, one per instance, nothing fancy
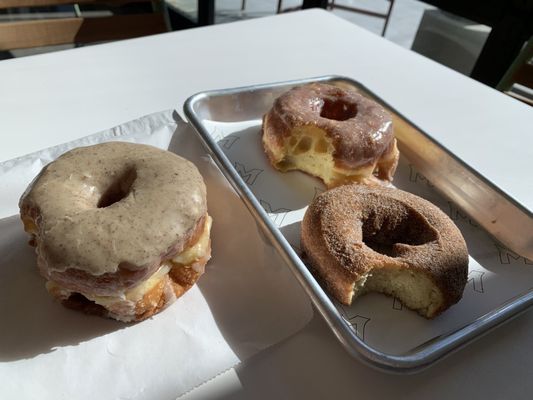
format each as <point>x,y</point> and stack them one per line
<point>359,239</point>
<point>334,134</point>
<point>120,229</point>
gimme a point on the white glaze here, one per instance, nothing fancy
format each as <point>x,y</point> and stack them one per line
<point>164,203</point>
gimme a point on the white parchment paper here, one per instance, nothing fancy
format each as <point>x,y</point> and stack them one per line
<point>246,301</point>
<point>496,274</point>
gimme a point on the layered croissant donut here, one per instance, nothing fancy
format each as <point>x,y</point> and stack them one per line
<point>359,239</point>
<point>334,134</point>
<point>120,229</point>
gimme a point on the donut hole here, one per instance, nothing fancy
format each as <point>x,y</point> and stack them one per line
<point>338,110</point>
<point>390,233</point>
<point>119,188</point>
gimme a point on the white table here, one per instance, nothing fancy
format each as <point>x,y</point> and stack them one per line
<point>44,98</point>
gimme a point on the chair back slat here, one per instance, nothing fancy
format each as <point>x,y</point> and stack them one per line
<point>26,34</point>
<point>43,3</point>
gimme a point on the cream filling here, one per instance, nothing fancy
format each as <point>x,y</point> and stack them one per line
<point>196,252</point>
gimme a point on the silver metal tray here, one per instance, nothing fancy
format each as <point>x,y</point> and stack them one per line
<point>501,276</point>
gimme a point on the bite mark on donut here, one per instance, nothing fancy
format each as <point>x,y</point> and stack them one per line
<point>414,289</point>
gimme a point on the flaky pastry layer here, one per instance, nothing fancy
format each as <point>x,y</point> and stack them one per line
<point>172,279</point>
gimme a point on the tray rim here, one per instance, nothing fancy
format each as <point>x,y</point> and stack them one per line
<point>410,362</point>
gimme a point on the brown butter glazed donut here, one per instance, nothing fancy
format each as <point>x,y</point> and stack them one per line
<point>120,229</point>
<point>334,134</point>
<point>358,239</point>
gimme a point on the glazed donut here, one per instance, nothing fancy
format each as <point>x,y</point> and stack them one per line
<point>358,239</point>
<point>121,229</point>
<point>334,134</point>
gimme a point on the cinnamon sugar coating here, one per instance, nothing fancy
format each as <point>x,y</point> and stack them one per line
<point>352,233</point>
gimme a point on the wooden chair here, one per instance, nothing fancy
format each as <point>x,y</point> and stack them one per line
<point>79,29</point>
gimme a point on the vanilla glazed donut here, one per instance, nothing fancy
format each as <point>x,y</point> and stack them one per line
<point>121,229</point>
<point>358,239</point>
<point>334,134</point>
